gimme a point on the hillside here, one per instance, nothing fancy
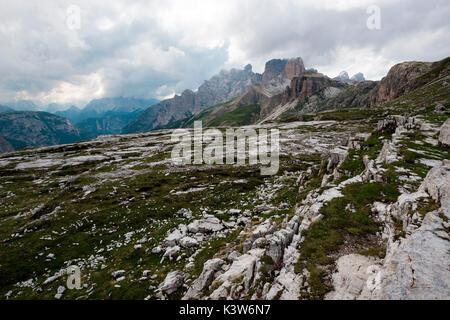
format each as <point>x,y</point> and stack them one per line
<point>362,196</point>
<point>24,129</point>
<point>5,146</point>
<point>111,122</point>
<point>6,109</point>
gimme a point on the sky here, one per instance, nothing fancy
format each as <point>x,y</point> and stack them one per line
<point>69,52</point>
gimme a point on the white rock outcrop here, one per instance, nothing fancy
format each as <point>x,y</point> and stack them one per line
<point>444,134</point>
<point>173,281</point>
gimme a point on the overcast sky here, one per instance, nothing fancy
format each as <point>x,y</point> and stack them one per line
<point>157,48</point>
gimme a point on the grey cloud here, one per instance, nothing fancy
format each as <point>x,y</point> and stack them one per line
<point>38,52</point>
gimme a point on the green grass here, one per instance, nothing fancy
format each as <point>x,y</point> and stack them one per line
<point>324,237</point>
<point>240,116</point>
<point>378,252</point>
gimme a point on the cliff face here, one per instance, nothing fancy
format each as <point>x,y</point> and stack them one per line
<point>294,67</point>
<point>305,86</point>
<point>399,80</point>
<point>30,129</point>
<point>220,88</point>
<point>282,68</point>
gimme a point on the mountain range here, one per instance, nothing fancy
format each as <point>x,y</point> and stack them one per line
<point>100,116</point>
<point>307,93</point>
<point>23,129</point>
<point>285,90</point>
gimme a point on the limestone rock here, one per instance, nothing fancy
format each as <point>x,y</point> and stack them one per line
<point>355,278</point>
<point>263,229</point>
<point>173,281</point>
<point>173,238</point>
<point>208,224</point>
<point>188,242</point>
<point>419,268</point>
<point>118,273</point>
<point>186,213</point>
<point>437,184</point>
<point>205,279</point>
<point>444,134</point>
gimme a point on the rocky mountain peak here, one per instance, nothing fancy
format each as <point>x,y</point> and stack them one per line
<point>294,67</point>
<point>282,68</point>
<point>343,76</point>
<point>220,88</point>
<point>359,77</point>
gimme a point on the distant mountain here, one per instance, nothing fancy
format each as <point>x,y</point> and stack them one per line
<point>343,76</point>
<point>107,115</point>
<point>22,105</point>
<point>36,128</point>
<point>111,123</point>
<point>223,87</point>
<point>6,109</point>
<point>54,107</point>
<point>99,107</point>
<point>74,114</point>
<point>359,77</point>
<point>5,146</point>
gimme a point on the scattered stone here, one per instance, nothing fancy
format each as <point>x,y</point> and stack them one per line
<point>118,273</point>
<point>60,292</point>
<point>188,242</point>
<point>206,225</point>
<point>173,281</point>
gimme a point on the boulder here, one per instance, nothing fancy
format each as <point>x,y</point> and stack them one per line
<point>170,252</point>
<point>206,225</point>
<point>173,281</point>
<point>263,229</point>
<point>205,279</point>
<point>387,154</point>
<point>186,213</point>
<point>277,243</point>
<point>188,242</point>
<point>335,158</point>
<point>437,184</point>
<point>118,273</point>
<point>244,267</point>
<point>173,238</point>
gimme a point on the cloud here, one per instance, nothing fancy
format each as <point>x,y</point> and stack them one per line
<point>157,48</point>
